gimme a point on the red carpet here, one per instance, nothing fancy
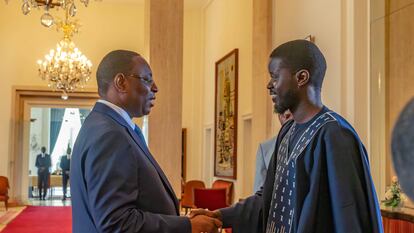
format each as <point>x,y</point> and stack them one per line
<point>41,219</point>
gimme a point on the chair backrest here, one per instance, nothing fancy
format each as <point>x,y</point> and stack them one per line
<point>187,199</point>
<point>4,186</point>
<point>228,185</point>
<point>211,199</point>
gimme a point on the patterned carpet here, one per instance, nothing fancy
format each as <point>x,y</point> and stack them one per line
<point>6,217</point>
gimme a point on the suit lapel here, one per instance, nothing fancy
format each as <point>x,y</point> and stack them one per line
<point>269,153</point>
<point>156,165</point>
<point>102,108</point>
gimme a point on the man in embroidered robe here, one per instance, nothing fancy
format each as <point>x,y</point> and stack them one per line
<point>318,178</point>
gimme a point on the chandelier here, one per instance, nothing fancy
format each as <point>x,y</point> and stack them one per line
<point>47,19</point>
<point>65,68</point>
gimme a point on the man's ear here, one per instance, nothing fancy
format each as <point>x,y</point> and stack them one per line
<point>120,83</point>
<point>302,77</point>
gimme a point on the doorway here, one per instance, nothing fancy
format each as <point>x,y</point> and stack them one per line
<point>55,130</point>
<point>35,124</point>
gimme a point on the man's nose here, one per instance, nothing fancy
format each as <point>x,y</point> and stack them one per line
<point>154,88</point>
<point>270,84</point>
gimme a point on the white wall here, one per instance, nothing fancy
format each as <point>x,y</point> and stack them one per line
<point>106,26</point>
<point>210,33</point>
<point>297,19</point>
<point>193,79</point>
<point>341,32</point>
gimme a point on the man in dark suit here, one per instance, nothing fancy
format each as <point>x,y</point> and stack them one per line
<point>43,163</point>
<point>265,152</point>
<point>65,166</point>
<point>116,184</point>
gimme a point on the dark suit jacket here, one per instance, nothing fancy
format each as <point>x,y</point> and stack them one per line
<point>117,186</point>
<point>65,163</point>
<point>43,164</point>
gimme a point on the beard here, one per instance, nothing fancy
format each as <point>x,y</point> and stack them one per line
<point>288,101</point>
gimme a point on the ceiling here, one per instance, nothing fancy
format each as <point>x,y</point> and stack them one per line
<point>187,3</point>
<point>196,3</point>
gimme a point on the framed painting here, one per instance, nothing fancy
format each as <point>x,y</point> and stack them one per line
<point>225,122</point>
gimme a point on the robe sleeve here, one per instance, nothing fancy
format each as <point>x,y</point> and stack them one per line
<point>346,170</point>
<point>244,216</point>
<point>247,216</point>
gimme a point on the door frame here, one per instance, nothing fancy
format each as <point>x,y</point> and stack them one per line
<point>24,98</point>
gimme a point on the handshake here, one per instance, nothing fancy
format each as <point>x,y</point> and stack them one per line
<point>205,221</point>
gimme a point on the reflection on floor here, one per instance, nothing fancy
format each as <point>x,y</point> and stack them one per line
<point>49,202</point>
<point>53,198</point>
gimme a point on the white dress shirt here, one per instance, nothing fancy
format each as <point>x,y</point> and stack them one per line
<point>120,111</point>
<point>124,115</point>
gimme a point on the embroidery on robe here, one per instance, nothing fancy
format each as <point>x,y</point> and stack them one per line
<point>281,212</point>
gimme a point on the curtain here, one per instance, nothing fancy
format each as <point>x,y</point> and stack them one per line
<point>83,114</point>
<point>56,118</point>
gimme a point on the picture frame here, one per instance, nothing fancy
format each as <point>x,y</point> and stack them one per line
<point>184,154</point>
<point>225,117</point>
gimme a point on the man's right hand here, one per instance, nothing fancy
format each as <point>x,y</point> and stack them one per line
<point>214,214</point>
<point>203,223</point>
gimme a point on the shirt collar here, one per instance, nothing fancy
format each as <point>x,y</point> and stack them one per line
<point>120,111</point>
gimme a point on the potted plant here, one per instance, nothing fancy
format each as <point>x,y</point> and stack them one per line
<point>393,196</point>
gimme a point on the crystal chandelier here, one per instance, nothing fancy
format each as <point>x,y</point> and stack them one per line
<point>65,68</point>
<point>47,19</point>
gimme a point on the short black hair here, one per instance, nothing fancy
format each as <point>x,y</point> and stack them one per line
<point>303,54</point>
<point>115,62</point>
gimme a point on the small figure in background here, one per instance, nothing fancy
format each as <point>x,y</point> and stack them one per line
<point>265,152</point>
<point>43,163</point>
<point>65,166</point>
